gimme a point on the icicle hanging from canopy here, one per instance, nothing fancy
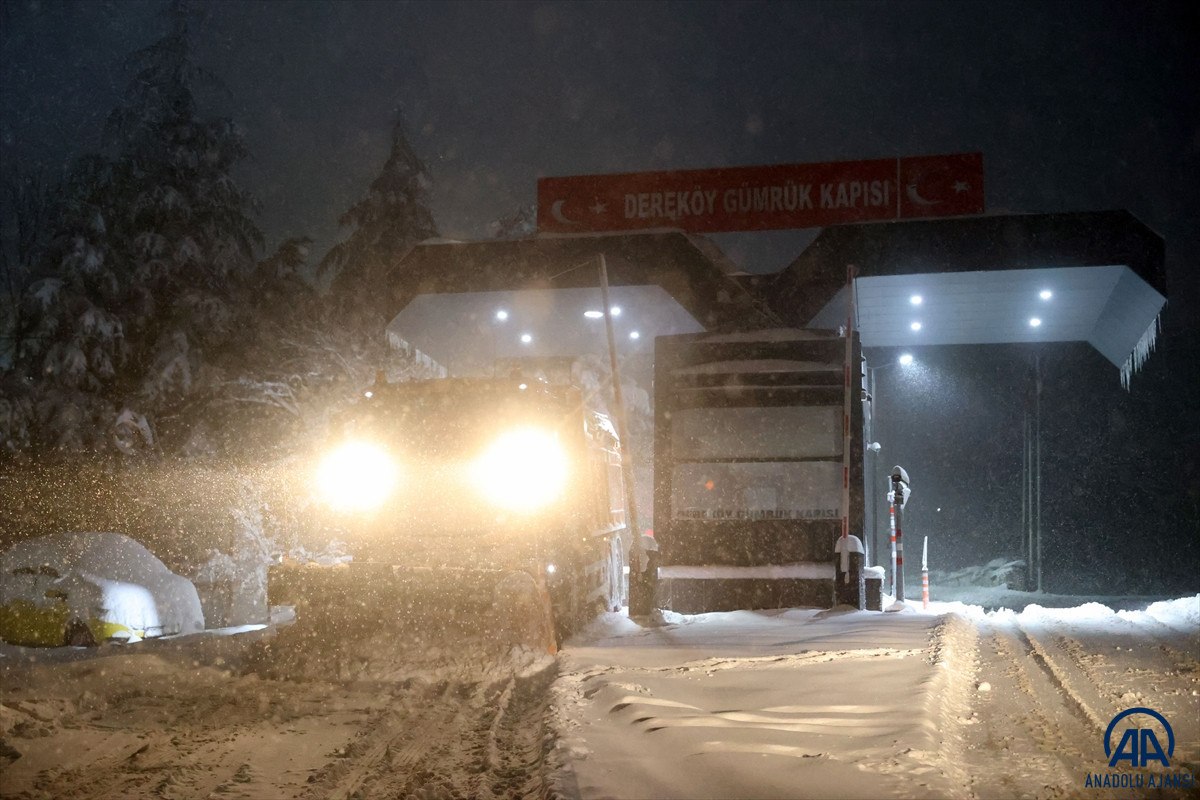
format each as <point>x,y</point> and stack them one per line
<point>1141,352</point>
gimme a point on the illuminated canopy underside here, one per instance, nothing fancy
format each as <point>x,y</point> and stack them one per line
<point>980,281</point>
<point>1109,307</point>
<point>665,282</point>
<point>463,333</point>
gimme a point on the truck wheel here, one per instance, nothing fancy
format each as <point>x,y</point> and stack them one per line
<point>78,634</point>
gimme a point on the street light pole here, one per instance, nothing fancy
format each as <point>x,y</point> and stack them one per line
<point>1037,461</point>
<point>873,474</point>
<point>1026,501</point>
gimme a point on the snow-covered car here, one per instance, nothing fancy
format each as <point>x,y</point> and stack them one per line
<point>78,589</point>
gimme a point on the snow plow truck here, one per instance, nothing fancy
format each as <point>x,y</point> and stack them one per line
<point>482,513</point>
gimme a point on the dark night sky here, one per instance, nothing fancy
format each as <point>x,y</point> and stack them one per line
<point>1076,106</point>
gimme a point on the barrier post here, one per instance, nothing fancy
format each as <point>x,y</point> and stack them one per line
<point>899,554</point>
<point>900,492</point>
<point>925,574</point>
<point>892,539</point>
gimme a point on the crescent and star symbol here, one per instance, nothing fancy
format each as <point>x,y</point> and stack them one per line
<point>915,197</point>
<point>556,211</point>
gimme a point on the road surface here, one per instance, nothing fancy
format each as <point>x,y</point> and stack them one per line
<point>793,703</point>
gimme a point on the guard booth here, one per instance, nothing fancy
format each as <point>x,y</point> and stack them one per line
<point>748,467</point>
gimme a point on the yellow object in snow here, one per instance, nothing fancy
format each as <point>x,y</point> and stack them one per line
<point>28,625</point>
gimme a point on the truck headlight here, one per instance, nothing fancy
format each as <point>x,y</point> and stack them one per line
<point>357,476</point>
<point>523,470</point>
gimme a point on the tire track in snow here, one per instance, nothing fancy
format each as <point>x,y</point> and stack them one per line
<point>159,764</point>
<point>394,744</point>
<point>954,648</point>
<point>457,739</point>
<point>158,729</point>
<point>98,771</point>
<point>1137,668</point>
<point>1030,717</point>
<point>1015,724</point>
<point>522,738</point>
<point>1062,680</point>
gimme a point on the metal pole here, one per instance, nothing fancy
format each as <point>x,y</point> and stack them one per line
<point>1025,542</point>
<point>846,386</point>
<point>899,511</point>
<point>1029,511</point>
<point>873,474</point>
<point>1037,417</point>
<point>892,535</point>
<point>639,604</point>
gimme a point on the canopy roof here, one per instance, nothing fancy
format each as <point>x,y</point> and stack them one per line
<point>1093,277</point>
<point>469,332</point>
<point>473,304</point>
<point>688,268</point>
<point>979,280</point>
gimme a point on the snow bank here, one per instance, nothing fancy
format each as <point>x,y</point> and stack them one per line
<point>106,576</point>
<point>1182,614</point>
<point>1001,597</point>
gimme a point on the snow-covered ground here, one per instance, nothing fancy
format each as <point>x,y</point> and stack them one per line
<point>953,702</point>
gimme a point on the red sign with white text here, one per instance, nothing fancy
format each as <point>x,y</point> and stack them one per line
<point>764,198</point>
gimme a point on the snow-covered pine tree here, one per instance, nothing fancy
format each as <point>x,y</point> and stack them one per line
<point>24,230</point>
<point>25,209</point>
<point>139,289</point>
<point>72,339</point>
<point>386,223</point>
<point>363,286</point>
<point>180,228</point>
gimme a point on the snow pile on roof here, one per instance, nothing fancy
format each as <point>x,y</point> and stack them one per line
<point>106,576</point>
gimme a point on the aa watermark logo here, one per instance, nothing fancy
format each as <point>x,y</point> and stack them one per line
<point>1139,739</point>
<point>1139,746</point>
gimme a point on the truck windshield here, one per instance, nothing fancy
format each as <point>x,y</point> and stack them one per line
<point>448,426</point>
